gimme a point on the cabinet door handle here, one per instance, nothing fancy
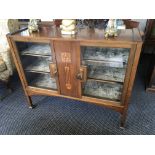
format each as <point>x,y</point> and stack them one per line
<point>82,74</point>
<point>53,70</point>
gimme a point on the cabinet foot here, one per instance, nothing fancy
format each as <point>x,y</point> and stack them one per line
<point>29,100</point>
<point>122,126</point>
<point>32,106</point>
<point>122,121</point>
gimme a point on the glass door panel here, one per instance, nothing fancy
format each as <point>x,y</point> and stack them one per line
<point>35,59</point>
<point>106,68</point>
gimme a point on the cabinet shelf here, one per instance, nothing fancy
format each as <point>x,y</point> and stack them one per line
<point>105,81</point>
<point>37,55</point>
<point>38,65</point>
<point>103,90</point>
<point>106,63</point>
<point>105,54</point>
<point>105,71</point>
<point>42,50</point>
<point>43,81</point>
<point>41,72</point>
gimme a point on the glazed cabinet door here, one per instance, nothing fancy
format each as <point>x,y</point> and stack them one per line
<point>35,60</point>
<point>68,63</point>
<point>107,71</point>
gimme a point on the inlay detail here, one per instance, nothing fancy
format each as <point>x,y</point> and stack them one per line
<point>66,58</point>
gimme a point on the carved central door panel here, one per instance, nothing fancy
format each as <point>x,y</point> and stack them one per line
<point>68,64</point>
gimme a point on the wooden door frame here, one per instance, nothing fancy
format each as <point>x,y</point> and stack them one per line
<point>15,53</point>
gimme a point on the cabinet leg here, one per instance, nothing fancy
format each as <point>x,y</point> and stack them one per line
<point>31,106</point>
<point>123,119</point>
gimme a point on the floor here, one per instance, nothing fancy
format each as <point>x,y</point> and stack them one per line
<point>57,116</point>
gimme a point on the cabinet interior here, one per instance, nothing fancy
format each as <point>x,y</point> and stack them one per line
<point>106,68</point>
<point>35,59</point>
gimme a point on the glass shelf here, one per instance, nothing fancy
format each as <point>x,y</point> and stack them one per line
<point>102,90</point>
<point>36,49</point>
<point>105,54</point>
<point>38,64</point>
<point>105,71</point>
<point>42,81</point>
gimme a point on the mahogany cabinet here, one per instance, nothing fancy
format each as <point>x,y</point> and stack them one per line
<point>85,66</point>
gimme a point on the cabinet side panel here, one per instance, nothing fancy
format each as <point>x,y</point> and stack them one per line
<point>133,73</point>
<point>68,62</point>
<point>128,71</point>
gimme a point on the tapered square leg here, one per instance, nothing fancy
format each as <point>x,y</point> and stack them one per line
<point>31,106</point>
<point>122,121</point>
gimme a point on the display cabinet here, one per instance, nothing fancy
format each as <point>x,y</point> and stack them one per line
<point>85,66</point>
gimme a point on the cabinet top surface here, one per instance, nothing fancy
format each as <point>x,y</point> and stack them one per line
<point>128,35</point>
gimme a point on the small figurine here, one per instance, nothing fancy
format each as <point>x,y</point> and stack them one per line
<point>111,30</point>
<point>68,26</point>
<point>33,25</point>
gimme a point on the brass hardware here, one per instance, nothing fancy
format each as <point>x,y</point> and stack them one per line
<point>79,76</point>
<point>53,70</point>
<point>82,74</point>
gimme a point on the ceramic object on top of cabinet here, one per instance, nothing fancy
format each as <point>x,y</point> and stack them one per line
<point>111,30</point>
<point>33,25</point>
<point>68,26</point>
